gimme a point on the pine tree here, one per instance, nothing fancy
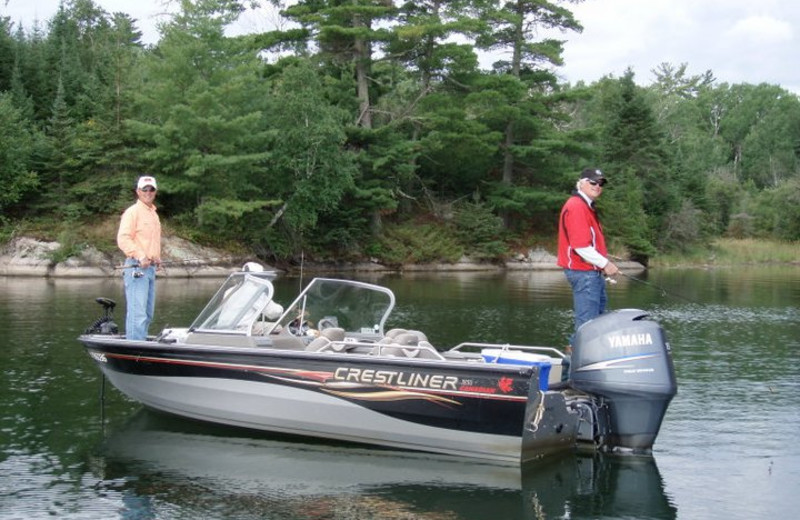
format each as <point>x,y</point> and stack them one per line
<point>16,148</point>
<point>527,115</point>
<point>201,121</point>
<point>634,151</point>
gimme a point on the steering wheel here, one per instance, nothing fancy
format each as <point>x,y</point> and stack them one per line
<point>299,329</point>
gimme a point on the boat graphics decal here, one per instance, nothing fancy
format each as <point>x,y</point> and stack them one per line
<point>619,363</point>
<point>394,395</point>
<point>479,400</point>
<point>307,374</point>
<point>357,383</point>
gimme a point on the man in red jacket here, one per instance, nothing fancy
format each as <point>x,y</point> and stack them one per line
<point>582,248</point>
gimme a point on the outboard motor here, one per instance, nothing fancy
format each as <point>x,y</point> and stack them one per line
<point>624,360</point>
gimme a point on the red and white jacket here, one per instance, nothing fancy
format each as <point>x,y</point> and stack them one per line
<point>578,228</point>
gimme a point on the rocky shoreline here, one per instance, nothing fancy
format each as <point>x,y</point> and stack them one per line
<point>24,256</point>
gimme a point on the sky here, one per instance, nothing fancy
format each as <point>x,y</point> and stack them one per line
<point>739,41</point>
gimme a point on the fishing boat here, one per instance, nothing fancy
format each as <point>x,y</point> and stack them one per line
<point>324,366</point>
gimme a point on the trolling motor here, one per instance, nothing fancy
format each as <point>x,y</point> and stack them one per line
<point>105,323</point>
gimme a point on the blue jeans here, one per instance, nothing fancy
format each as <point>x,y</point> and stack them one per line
<point>140,295</point>
<point>588,295</point>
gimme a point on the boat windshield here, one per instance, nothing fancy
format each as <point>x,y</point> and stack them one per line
<point>236,305</point>
<point>357,307</point>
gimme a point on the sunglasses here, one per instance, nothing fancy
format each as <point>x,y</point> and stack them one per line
<point>596,183</point>
<point>148,189</point>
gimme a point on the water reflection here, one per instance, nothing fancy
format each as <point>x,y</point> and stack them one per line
<point>726,450</point>
<point>187,468</point>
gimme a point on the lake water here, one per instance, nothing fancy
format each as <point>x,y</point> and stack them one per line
<point>728,448</point>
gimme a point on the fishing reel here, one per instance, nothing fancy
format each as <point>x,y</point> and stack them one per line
<point>104,324</point>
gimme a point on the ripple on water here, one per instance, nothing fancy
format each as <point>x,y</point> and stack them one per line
<point>714,313</point>
<point>35,486</point>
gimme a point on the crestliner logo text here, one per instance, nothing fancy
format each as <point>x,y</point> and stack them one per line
<point>630,340</point>
<point>392,378</point>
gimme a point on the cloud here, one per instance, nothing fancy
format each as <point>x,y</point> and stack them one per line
<point>740,41</point>
<point>762,30</point>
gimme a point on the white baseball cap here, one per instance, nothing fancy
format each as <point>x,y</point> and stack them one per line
<point>146,181</point>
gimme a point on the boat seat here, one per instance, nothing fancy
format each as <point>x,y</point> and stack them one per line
<point>285,341</point>
<point>331,339</point>
<point>419,334</point>
<point>326,345</point>
<point>333,333</point>
<point>318,344</point>
<point>260,328</point>
<point>403,337</point>
<point>407,338</point>
<point>391,334</point>
<point>420,350</point>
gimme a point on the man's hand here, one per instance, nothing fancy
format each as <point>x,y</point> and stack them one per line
<point>610,269</point>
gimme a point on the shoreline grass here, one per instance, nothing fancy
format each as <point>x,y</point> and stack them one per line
<point>726,252</point>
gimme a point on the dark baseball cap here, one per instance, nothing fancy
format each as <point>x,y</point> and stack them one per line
<point>593,174</point>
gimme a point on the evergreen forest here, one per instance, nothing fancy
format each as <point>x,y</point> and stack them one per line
<point>376,129</point>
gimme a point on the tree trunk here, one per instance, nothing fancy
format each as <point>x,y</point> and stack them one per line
<point>362,58</point>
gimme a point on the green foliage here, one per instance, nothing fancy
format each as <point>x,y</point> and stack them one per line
<point>309,169</point>
<point>377,115</point>
<point>417,243</point>
<point>201,116</point>
<point>479,230</point>
<point>223,216</point>
<point>683,230</point>
<point>772,155</point>
<point>725,252</point>
<point>786,198</point>
<point>772,213</point>
<point>722,193</point>
<point>643,188</point>
<point>626,225</point>
<point>69,246</point>
<point>7,230</point>
<point>345,232</point>
<point>16,149</point>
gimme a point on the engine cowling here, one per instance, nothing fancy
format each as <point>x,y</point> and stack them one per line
<point>624,360</point>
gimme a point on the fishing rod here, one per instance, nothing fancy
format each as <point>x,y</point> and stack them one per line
<point>664,292</point>
<point>196,262</point>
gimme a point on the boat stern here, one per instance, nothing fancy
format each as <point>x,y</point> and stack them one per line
<point>550,425</point>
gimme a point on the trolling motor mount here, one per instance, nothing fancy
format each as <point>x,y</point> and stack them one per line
<point>104,324</point>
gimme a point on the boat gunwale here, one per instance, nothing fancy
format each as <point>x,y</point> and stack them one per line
<point>100,341</point>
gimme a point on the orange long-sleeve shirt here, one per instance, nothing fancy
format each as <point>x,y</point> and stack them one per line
<point>139,234</point>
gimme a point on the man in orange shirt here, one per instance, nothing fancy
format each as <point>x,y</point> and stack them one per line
<point>139,237</point>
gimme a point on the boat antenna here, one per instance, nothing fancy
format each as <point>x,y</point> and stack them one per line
<point>302,261</point>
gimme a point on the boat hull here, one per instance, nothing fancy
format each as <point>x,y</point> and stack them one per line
<point>481,411</point>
